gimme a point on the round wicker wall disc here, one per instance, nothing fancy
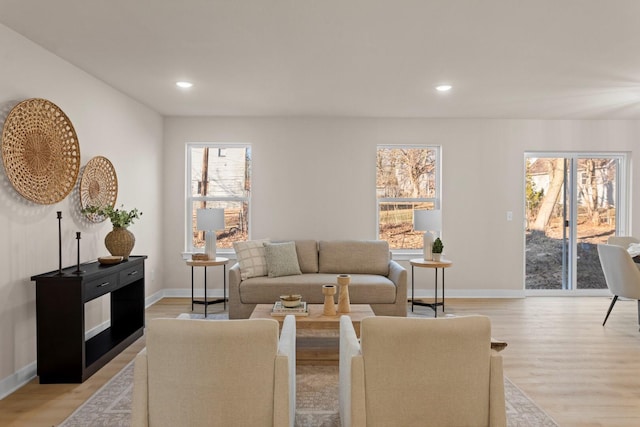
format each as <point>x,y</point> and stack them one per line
<point>98,186</point>
<point>40,151</point>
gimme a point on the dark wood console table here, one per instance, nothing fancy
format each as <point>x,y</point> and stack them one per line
<point>64,356</point>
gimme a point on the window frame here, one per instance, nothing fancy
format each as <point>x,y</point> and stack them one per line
<point>216,148</point>
<point>436,200</point>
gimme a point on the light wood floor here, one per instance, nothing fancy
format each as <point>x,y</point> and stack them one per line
<point>559,354</point>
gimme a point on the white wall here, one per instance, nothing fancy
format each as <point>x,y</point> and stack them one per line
<point>315,178</point>
<point>107,123</point>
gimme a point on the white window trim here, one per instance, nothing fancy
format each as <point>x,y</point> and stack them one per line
<point>404,254</point>
<point>623,214</point>
<point>189,199</point>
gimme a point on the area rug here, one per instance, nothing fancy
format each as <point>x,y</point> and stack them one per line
<point>316,400</point>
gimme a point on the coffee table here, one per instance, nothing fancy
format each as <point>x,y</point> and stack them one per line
<point>317,335</point>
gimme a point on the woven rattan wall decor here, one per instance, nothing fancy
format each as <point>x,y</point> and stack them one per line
<point>40,151</point>
<point>98,186</point>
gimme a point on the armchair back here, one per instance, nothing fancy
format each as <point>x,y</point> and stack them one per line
<point>207,372</point>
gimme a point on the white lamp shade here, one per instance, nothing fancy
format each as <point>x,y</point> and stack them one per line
<point>210,219</point>
<point>427,220</point>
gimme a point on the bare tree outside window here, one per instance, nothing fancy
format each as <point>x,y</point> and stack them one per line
<point>406,179</point>
<point>219,177</point>
<point>572,204</point>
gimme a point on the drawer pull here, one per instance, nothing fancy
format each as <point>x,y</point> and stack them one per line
<point>103,284</point>
<point>133,273</point>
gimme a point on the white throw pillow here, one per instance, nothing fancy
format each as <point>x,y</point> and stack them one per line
<point>251,257</point>
<point>282,259</point>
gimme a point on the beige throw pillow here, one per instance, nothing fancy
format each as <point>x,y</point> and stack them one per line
<point>251,257</point>
<point>282,259</point>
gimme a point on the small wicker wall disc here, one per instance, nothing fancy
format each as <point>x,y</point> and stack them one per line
<point>98,186</point>
<point>40,151</point>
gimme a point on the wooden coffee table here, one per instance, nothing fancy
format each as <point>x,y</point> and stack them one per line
<point>317,335</point>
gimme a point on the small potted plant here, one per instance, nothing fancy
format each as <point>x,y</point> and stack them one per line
<point>120,240</point>
<point>437,249</point>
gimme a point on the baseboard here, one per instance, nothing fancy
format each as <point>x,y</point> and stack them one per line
<point>18,379</point>
<point>152,299</point>
<point>197,293</point>
<point>96,330</point>
<point>471,293</point>
<point>511,293</point>
<point>568,293</point>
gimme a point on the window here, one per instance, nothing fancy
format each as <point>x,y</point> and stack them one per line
<point>574,201</point>
<point>407,178</point>
<point>218,176</point>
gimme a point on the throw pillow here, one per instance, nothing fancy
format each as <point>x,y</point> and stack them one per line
<point>282,259</point>
<point>251,257</point>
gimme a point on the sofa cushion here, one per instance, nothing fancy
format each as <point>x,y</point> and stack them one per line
<point>364,288</point>
<point>282,259</point>
<point>251,257</point>
<point>354,257</point>
<point>307,251</point>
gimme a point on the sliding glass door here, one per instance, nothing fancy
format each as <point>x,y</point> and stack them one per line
<point>573,202</point>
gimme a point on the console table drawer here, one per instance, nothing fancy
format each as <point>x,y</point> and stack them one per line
<point>131,274</point>
<point>95,288</point>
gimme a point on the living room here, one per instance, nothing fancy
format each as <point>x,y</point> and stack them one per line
<point>313,170</point>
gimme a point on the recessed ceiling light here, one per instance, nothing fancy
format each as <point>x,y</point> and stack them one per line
<point>443,88</point>
<point>184,85</point>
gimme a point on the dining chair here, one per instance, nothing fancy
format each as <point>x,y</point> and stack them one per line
<point>621,274</point>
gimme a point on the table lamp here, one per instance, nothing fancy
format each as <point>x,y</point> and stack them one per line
<point>210,220</point>
<point>427,221</point>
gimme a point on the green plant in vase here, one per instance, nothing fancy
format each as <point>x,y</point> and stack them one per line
<point>118,217</point>
<point>120,240</point>
<point>437,249</point>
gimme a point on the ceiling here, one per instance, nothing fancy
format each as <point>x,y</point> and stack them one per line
<point>539,59</point>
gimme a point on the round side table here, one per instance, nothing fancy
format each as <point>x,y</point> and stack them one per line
<point>421,263</point>
<point>210,263</point>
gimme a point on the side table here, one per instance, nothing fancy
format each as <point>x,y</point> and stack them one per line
<point>421,263</point>
<point>209,263</point>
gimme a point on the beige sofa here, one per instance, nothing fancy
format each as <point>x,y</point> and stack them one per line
<point>375,278</point>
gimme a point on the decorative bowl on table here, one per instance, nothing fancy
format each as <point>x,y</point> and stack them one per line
<point>108,260</point>
<point>291,301</point>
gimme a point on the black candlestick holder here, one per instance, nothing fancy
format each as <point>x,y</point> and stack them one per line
<point>78,271</point>
<point>59,215</point>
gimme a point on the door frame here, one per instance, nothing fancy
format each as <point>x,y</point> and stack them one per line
<point>622,213</point>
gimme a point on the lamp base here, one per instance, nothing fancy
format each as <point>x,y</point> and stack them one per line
<point>210,242</point>
<point>428,246</point>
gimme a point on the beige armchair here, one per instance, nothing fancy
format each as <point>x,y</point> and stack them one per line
<point>420,372</point>
<point>216,373</point>
<point>621,274</point>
